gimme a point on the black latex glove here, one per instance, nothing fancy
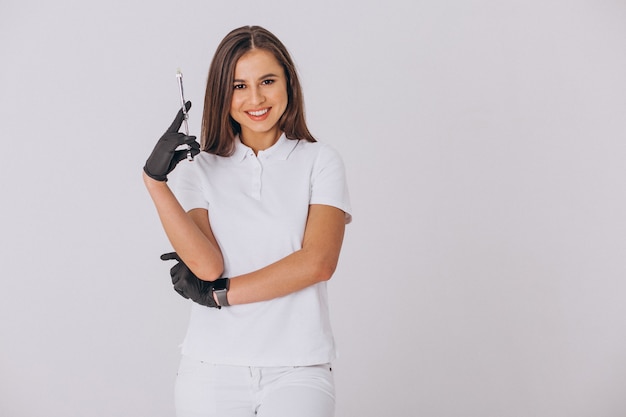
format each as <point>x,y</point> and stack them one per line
<point>188,285</point>
<point>164,156</point>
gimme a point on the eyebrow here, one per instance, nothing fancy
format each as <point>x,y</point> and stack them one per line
<point>270,75</point>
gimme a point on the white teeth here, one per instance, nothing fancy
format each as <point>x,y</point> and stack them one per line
<point>258,113</point>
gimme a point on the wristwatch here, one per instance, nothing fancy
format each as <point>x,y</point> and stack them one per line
<point>220,288</point>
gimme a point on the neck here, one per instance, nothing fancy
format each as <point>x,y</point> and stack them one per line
<point>260,141</point>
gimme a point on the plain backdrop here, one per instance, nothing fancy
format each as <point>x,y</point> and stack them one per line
<point>484,273</point>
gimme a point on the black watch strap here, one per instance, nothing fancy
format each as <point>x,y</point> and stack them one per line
<point>220,288</point>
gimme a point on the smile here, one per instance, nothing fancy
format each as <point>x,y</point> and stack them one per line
<point>258,113</point>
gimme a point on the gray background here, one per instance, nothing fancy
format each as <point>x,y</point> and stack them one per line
<point>483,274</point>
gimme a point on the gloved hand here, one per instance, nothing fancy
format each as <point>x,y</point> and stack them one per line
<point>164,156</point>
<point>188,285</point>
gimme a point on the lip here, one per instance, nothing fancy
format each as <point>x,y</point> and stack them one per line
<point>261,117</point>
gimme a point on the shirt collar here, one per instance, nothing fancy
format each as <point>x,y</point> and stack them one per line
<point>241,150</point>
<point>278,151</point>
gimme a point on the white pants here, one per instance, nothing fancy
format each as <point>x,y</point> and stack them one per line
<point>208,390</point>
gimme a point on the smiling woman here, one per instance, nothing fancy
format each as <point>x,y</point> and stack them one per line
<point>260,98</point>
<point>257,223</point>
<point>250,58</point>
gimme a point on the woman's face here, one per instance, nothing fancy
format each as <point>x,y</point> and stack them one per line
<point>259,96</point>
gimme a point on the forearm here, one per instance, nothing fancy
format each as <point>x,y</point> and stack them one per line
<point>292,273</point>
<point>315,262</point>
<point>198,252</point>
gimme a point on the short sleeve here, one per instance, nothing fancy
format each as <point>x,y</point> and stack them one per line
<point>188,186</point>
<point>329,183</point>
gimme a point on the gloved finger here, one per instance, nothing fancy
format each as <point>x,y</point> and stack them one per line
<point>180,139</point>
<point>191,141</point>
<point>181,292</point>
<point>174,139</point>
<point>194,147</point>
<point>174,272</point>
<point>182,154</point>
<point>181,287</point>
<point>178,121</point>
<point>169,256</point>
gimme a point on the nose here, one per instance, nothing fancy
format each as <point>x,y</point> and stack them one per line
<point>256,96</point>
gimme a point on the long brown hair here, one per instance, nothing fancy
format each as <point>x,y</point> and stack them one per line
<point>219,130</point>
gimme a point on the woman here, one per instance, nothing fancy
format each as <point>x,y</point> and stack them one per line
<point>257,224</point>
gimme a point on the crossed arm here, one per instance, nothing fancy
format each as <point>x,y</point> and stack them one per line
<point>192,238</point>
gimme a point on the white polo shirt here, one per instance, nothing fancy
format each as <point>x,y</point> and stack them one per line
<point>258,208</point>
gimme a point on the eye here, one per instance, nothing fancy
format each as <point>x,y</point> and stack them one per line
<point>239,86</point>
<point>267,82</point>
